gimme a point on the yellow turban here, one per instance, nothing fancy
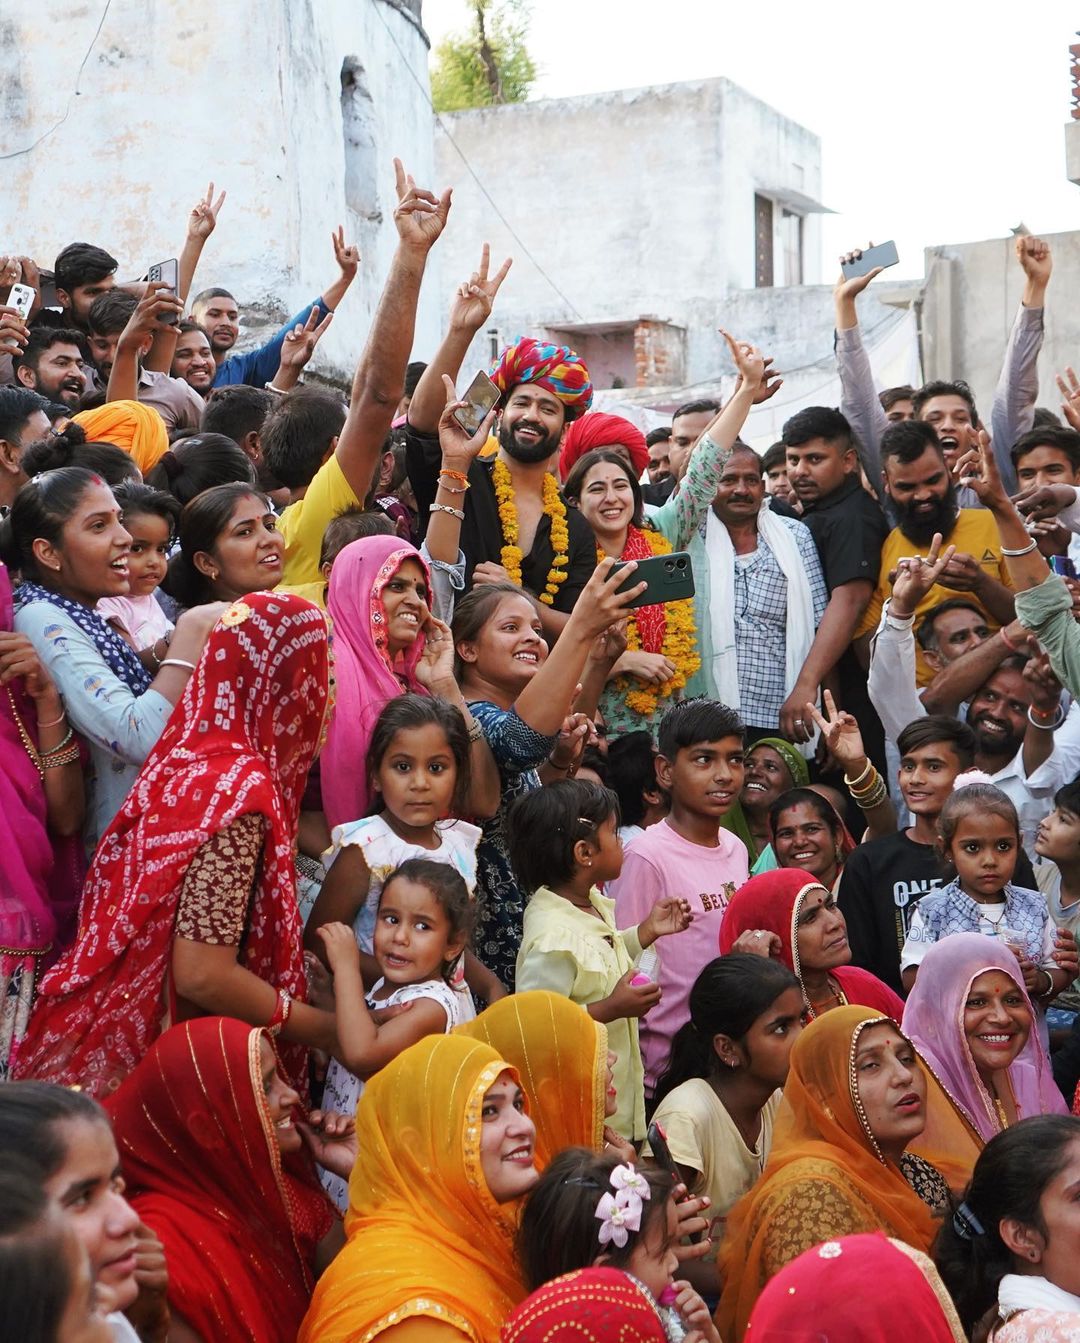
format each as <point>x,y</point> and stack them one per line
<point>139,430</point>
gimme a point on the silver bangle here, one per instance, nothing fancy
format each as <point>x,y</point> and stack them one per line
<point>177,662</point>
<point>1025,550</point>
<point>445,508</point>
<point>1048,727</point>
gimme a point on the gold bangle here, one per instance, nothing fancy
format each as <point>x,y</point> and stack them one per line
<point>854,783</point>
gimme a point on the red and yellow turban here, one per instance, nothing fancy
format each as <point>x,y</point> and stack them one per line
<point>137,429</point>
<point>599,430</point>
<point>553,367</point>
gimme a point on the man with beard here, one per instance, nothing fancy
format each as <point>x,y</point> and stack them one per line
<point>52,365</point>
<point>949,406</point>
<point>848,530</point>
<point>922,492</point>
<point>759,599</point>
<point>542,387</point>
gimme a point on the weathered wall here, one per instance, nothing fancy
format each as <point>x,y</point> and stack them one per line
<point>972,294</point>
<point>638,203</point>
<point>248,94</point>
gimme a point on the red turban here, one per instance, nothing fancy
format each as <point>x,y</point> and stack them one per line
<point>599,430</point>
<point>553,367</point>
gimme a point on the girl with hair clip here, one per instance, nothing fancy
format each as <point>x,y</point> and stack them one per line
<point>979,836</point>
<point>1008,1253</point>
<point>591,1210</point>
<point>564,845</point>
<point>717,1102</point>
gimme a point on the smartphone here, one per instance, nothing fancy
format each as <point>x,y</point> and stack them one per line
<point>481,396</point>
<point>166,272</point>
<point>669,578</point>
<point>21,299</point>
<point>884,254</point>
<point>657,1140</point>
<point>1062,565</point>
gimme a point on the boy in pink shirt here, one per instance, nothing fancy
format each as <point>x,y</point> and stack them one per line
<point>687,854</point>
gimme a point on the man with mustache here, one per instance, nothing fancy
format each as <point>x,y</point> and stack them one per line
<point>52,365</point>
<point>543,387</point>
<point>920,488</point>
<point>760,587</point>
<point>949,406</point>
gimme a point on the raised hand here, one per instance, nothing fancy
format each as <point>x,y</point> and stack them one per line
<point>159,304</point>
<point>915,576</point>
<point>1039,502</point>
<point>203,218</point>
<point>1070,397</point>
<point>575,734</point>
<point>667,916</point>
<point>610,644</point>
<point>1035,259</point>
<point>604,600</point>
<point>1044,685</point>
<point>299,343</point>
<point>850,289</point>
<point>749,361</point>
<point>840,733</point>
<point>348,257</point>
<point>420,216</point>
<point>474,298</point>
<point>14,333</point>
<point>454,441</point>
<point>978,469</point>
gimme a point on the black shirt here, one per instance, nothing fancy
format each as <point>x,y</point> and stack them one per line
<point>481,532</point>
<point>849,530</point>
<point>882,883</point>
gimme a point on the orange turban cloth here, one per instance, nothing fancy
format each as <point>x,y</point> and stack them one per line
<point>599,430</point>
<point>139,430</point>
<point>553,367</point>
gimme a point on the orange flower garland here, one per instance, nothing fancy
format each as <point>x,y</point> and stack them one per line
<point>679,647</point>
<point>512,554</point>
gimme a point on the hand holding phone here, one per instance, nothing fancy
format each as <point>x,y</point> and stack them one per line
<point>166,272</point>
<point>863,262</point>
<point>669,578</point>
<point>480,397</point>
<point>21,299</point>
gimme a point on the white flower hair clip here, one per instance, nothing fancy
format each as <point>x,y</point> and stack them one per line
<point>969,776</point>
<point>620,1213</point>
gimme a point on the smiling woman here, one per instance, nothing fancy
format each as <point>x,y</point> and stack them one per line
<point>861,1137</point>
<point>64,533</point>
<point>229,545</point>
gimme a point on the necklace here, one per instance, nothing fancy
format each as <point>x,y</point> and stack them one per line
<point>835,996</point>
<point>512,554</point>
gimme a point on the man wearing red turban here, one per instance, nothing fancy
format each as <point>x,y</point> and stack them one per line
<point>598,430</point>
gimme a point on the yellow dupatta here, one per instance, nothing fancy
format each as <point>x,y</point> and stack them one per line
<point>824,1169</point>
<point>560,1054</point>
<point>426,1238</point>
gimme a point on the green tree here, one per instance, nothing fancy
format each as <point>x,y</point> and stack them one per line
<point>488,65</point>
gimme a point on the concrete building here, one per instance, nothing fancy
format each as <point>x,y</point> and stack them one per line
<point>113,118</point>
<point>637,214</point>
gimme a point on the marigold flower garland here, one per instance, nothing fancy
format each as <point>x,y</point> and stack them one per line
<point>512,554</point>
<point>679,644</point>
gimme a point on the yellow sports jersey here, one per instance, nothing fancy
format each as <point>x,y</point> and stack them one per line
<point>975,534</point>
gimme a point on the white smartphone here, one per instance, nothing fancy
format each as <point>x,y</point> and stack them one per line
<point>21,299</point>
<point>166,272</point>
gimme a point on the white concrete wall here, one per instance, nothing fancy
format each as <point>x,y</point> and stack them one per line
<point>246,93</point>
<point>972,295</point>
<point>636,203</point>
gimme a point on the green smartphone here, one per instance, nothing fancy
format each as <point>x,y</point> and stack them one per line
<point>670,578</point>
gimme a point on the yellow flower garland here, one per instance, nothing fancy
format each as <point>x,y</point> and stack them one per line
<point>512,554</point>
<point>680,644</point>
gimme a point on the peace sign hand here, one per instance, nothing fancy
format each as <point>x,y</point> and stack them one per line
<point>915,576</point>
<point>203,218</point>
<point>474,298</point>
<point>299,343</point>
<point>840,733</point>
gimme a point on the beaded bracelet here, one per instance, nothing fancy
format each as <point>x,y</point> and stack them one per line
<point>64,741</point>
<point>450,489</point>
<point>445,508</point>
<point>55,759</point>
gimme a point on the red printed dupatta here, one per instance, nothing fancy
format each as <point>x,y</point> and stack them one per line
<point>240,1223</point>
<point>240,741</point>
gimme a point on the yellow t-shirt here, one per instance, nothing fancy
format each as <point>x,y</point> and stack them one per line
<point>975,534</point>
<point>313,592</point>
<point>302,524</point>
<point>702,1135</point>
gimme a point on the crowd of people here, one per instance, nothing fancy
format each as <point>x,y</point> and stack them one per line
<point>419,923</point>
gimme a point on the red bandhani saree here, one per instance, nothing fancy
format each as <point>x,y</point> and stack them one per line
<point>241,740</point>
<point>240,1223</point>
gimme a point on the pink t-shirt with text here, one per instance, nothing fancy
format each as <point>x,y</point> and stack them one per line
<point>662,863</point>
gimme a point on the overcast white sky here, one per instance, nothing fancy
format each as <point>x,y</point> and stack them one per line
<point>940,122</point>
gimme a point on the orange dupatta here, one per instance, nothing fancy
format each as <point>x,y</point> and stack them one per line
<point>426,1237</point>
<point>560,1054</point>
<point>824,1164</point>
